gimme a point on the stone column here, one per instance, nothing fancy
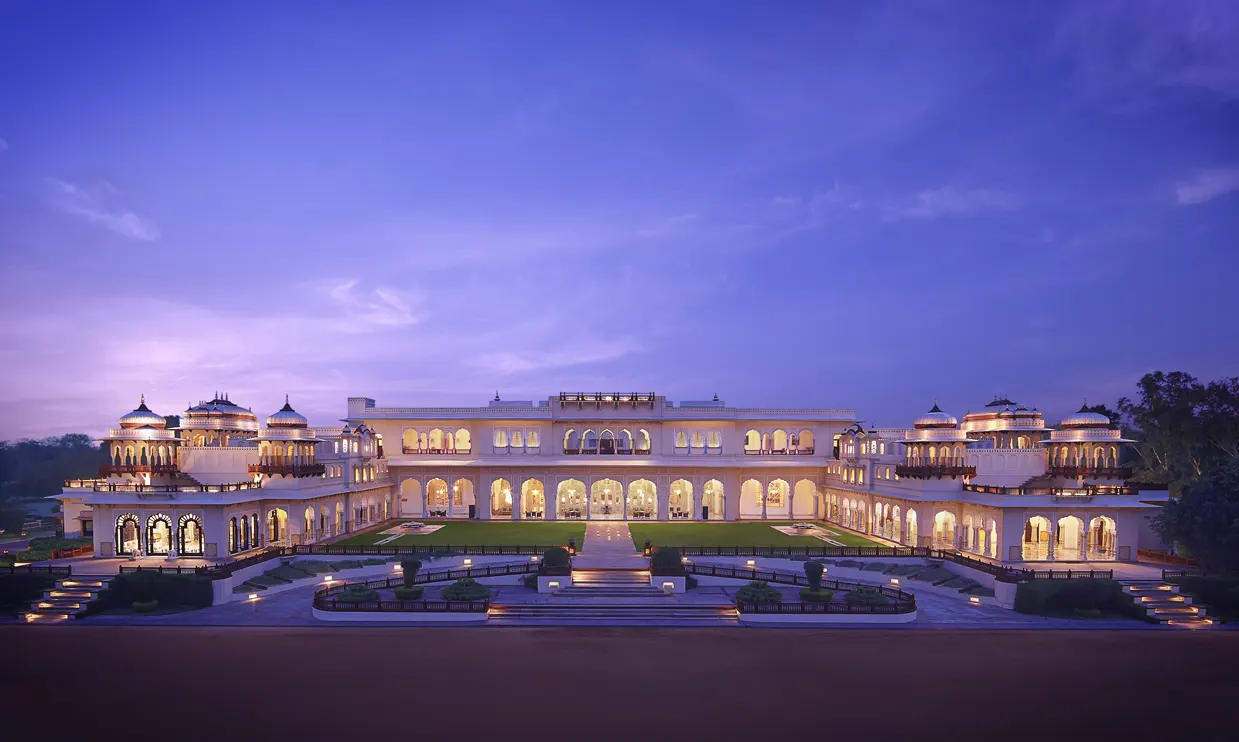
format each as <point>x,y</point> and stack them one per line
<point>517,501</point>
<point>764,494</point>
<point>1049,553</point>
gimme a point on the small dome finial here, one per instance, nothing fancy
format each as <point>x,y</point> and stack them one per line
<point>496,395</point>
<point>285,399</point>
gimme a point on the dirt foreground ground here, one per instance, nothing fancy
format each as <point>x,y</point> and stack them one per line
<point>618,683</point>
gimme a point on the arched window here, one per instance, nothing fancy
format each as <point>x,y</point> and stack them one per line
<point>436,441</point>
<point>232,535</point>
<point>699,440</point>
<point>643,441</point>
<point>606,442</point>
<point>501,497</point>
<point>501,438</point>
<point>517,439</point>
<point>752,442</point>
<point>572,441</point>
<point>531,439</point>
<point>778,441</point>
<point>624,445</point>
<point>589,443</point>
<point>243,539</point>
<point>714,439</point>
<point>189,535</point>
<point>681,439</point>
<point>463,440</point>
<point>408,439</point>
<point>804,442</point>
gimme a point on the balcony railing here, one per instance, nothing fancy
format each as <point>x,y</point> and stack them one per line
<point>1091,472</point>
<point>1088,490</point>
<point>779,452</point>
<point>437,451</point>
<point>111,470</point>
<point>935,469</point>
<point>272,469</point>
<point>616,452</point>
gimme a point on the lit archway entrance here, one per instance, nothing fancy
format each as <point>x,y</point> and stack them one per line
<point>570,500</point>
<point>778,499</point>
<point>501,498</point>
<point>944,530</point>
<point>642,500</point>
<point>277,525</point>
<point>533,499</point>
<point>606,500</point>
<point>189,535</point>
<point>1103,538</point>
<point>680,501</point>
<point>158,535</point>
<point>127,538</point>
<point>750,499</point>
<point>1068,540</point>
<point>803,499</point>
<point>412,504</point>
<point>1036,539</point>
<point>912,532</point>
<point>436,498</point>
<point>712,501</point>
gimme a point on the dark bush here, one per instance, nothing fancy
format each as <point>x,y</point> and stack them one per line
<point>410,593</point>
<point>189,591</point>
<point>47,543</point>
<point>866,596</point>
<point>556,556</point>
<point>1067,597</point>
<point>530,581</point>
<point>813,571</point>
<point>409,568</point>
<point>759,592</point>
<point>356,594</point>
<point>690,582</point>
<point>466,589</point>
<point>18,590</point>
<point>1219,595</point>
<point>666,556</point>
<point>145,606</point>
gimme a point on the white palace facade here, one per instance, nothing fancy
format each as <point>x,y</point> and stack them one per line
<point>1001,484</point>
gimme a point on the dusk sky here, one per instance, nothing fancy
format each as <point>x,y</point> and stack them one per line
<point>866,205</point>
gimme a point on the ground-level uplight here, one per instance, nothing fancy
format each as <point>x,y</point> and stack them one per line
<point>553,583</point>
<point>398,567</point>
<point>751,563</point>
<point>668,586</point>
<point>974,600</point>
<point>253,596</point>
<point>533,558</point>
<point>468,562</point>
<point>328,578</point>
<point>894,582</point>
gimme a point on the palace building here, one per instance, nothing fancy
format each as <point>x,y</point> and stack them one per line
<point>1002,484</point>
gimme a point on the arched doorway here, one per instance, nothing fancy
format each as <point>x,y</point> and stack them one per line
<point>277,525</point>
<point>606,500</point>
<point>778,499</point>
<point>642,500</point>
<point>712,500</point>
<point>570,499</point>
<point>1036,539</point>
<point>1103,538</point>
<point>533,499</point>
<point>750,499</point>
<point>127,535</point>
<point>158,535</point>
<point>462,497</point>
<point>501,498</point>
<point>944,530</point>
<point>1068,540</point>
<point>189,541</point>
<point>803,499</point>
<point>680,500</point>
<point>912,532</point>
<point>437,501</point>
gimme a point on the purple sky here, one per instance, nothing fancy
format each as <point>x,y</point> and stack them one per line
<point>857,204</point>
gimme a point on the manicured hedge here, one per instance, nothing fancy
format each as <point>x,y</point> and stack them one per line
<point>189,591</point>
<point>409,593</point>
<point>760,592</point>
<point>466,589</point>
<point>1219,595</point>
<point>809,595</point>
<point>866,596</point>
<point>556,556</point>
<point>1074,597</point>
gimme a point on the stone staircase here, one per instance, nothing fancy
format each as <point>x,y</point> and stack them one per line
<point>1163,602</point>
<point>613,597</point>
<point>66,599</point>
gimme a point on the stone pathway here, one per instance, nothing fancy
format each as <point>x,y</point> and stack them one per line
<point>608,544</point>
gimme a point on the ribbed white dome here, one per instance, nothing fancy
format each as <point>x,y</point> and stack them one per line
<point>287,417</point>
<point>1085,419</point>
<point>142,416</point>
<point>935,418</point>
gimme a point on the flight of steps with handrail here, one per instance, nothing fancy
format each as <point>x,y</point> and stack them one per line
<point>612,597</point>
<point>66,599</point>
<point>1164,602</point>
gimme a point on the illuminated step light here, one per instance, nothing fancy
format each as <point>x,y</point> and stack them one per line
<point>894,582</point>
<point>974,600</point>
<point>398,567</point>
<point>751,564</point>
<point>328,578</point>
<point>253,596</point>
<point>668,586</point>
<point>468,562</point>
<point>533,558</point>
<point>553,583</point>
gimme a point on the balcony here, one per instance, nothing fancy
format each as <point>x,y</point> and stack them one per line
<point>111,470</point>
<point>435,451</point>
<point>1091,472</point>
<point>607,452</point>
<point>935,469</point>
<point>779,452</point>
<point>1089,490</point>
<point>287,470</point>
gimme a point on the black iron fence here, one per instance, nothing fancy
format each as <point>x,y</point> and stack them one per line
<point>37,569</point>
<point>784,577</point>
<point>326,599</point>
<point>801,607</point>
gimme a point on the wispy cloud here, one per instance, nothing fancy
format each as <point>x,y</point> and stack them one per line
<point>381,307</point>
<point>93,207</point>
<point>1207,185</point>
<point>951,201</point>
<point>4,146</point>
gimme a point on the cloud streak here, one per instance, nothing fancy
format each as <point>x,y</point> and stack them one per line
<point>79,202</point>
<point>951,201</point>
<point>1206,186</point>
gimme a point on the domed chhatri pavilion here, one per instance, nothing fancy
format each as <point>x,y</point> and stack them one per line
<point>998,483</point>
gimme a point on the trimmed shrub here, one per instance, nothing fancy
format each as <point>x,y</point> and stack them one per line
<point>410,593</point>
<point>809,595</point>
<point>556,556</point>
<point>666,556</point>
<point>759,592</point>
<point>813,572</point>
<point>372,562</point>
<point>1219,595</point>
<point>145,606</point>
<point>466,589</point>
<point>1068,597</point>
<point>17,590</point>
<point>876,566</point>
<point>690,582</point>
<point>866,596</point>
<point>530,581</point>
<point>47,543</point>
<point>409,569</point>
<point>356,594</point>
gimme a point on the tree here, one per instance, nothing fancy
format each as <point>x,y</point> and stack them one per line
<point>1205,519</point>
<point>33,469</point>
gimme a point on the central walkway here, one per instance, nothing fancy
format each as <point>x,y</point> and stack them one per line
<point>608,544</point>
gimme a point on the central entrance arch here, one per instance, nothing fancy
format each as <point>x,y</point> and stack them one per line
<point>606,500</point>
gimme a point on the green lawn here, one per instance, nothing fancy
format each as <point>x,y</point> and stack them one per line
<point>732,534</point>
<point>475,533</point>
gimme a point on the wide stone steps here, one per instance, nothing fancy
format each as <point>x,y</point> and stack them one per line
<point>1162,601</point>
<point>615,614</point>
<point>67,599</point>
